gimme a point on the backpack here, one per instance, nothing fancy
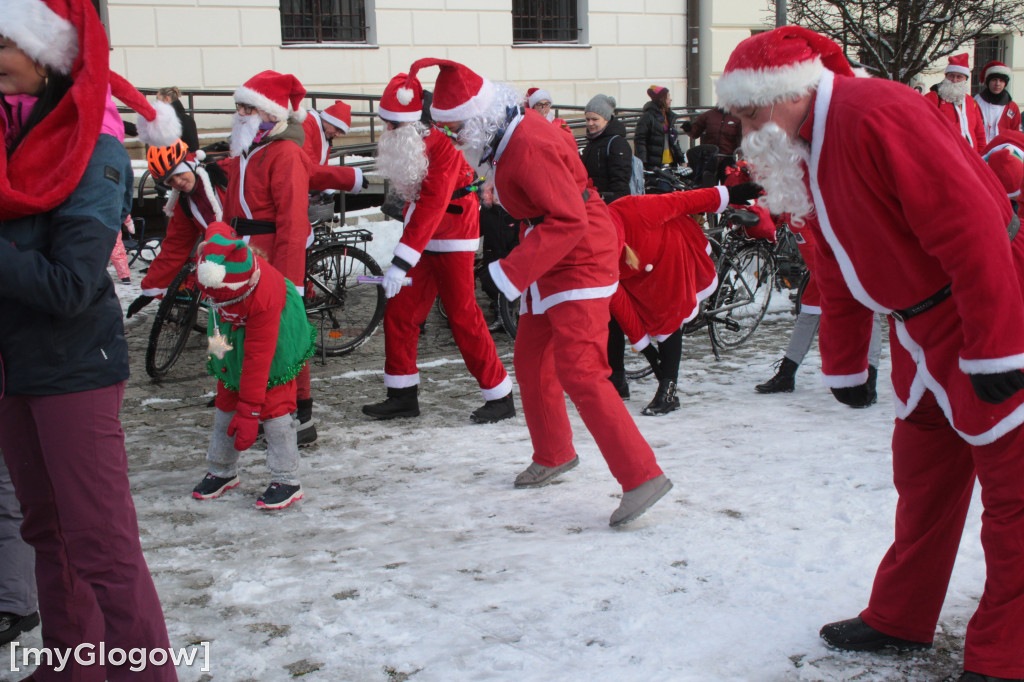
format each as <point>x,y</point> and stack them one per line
<point>636,179</point>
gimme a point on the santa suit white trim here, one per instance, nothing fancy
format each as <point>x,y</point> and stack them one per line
<point>449,245</point>
<point>324,144</point>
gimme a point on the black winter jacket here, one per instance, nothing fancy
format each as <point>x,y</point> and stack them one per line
<point>61,325</point>
<point>608,160</point>
<point>649,136</point>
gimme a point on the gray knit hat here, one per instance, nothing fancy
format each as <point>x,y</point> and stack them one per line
<point>602,105</point>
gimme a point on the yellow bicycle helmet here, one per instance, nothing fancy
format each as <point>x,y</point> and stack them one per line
<point>163,160</point>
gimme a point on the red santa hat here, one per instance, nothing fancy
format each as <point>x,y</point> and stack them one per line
<point>995,69</point>
<point>1005,156</point>
<point>67,38</point>
<point>785,63</point>
<point>958,64</point>
<point>278,94</point>
<point>226,267</point>
<point>534,95</point>
<point>402,100</point>
<point>459,93</point>
<point>338,115</point>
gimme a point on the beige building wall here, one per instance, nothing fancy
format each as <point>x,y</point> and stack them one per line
<point>218,44</point>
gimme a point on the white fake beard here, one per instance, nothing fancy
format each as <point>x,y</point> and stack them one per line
<point>402,159</point>
<point>550,116</point>
<point>954,93</point>
<point>477,132</point>
<point>243,132</point>
<point>778,165</point>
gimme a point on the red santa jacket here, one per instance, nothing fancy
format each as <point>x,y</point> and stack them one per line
<point>270,183</point>
<point>436,221</point>
<point>676,271</point>
<point>893,232</point>
<point>568,247</point>
<point>966,118</point>
<point>998,118</point>
<point>323,175</point>
<point>186,227</point>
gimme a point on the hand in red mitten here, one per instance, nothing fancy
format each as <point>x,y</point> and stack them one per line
<point>245,426</point>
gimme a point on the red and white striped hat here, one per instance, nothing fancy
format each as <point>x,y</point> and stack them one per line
<point>459,93</point>
<point>402,100</point>
<point>338,115</point>
<point>278,94</point>
<point>995,68</point>
<point>785,63</point>
<point>958,64</point>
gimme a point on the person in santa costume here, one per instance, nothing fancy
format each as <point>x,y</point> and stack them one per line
<point>320,129</point>
<point>65,186</point>
<point>437,251</point>
<point>565,268</point>
<point>539,100</point>
<point>998,110</point>
<point>260,340</point>
<point>193,204</point>
<point>665,271</point>
<point>948,274</point>
<point>953,100</point>
<point>1005,156</point>
<point>267,200</point>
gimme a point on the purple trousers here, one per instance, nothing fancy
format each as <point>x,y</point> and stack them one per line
<point>67,459</point>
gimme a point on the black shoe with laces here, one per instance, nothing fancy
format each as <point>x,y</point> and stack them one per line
<point>494,411</point>
<point>856,635</point>
<point>401,402</point>
<point>784,380</point>
<point>213,486</point>
<point>279,496</point>
<point>12,625</point>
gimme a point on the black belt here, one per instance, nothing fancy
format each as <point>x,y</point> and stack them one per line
<point>1012,228</point>
<point>244,226</point>
<point>464,191</point>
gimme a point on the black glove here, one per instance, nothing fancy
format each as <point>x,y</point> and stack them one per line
<point>856,396</point>
<point>744,192</point>
<point>366,182</point>
<point>687,126</point>
<point>996,388</point>
<point>651,353</point>
<point>138,304</point>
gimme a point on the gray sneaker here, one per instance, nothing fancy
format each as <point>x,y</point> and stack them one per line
<point>538,475</point>
<point>638,500</point>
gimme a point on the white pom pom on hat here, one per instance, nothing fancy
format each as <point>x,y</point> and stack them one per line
<point>404,95</point>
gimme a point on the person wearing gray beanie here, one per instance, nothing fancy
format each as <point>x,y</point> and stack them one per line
<point>602,105</point>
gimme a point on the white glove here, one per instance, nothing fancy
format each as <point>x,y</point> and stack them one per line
<point>393,280</point>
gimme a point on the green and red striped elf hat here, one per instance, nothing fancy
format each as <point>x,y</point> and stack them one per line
<point>227,267</point>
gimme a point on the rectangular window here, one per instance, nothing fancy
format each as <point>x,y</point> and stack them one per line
<point>545,21</point>
<point>323,21</point>
<point>986,49</point>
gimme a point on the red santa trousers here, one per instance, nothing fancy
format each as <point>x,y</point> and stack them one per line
<point>565,349</point>
<point>451,276</point>
<point>67,460</point>
<point>280,400</point>
<point>934,472</point>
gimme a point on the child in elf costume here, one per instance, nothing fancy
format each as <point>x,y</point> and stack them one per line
<point>259,340</point>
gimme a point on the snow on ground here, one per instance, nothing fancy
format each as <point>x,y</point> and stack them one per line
<point>412,556</point>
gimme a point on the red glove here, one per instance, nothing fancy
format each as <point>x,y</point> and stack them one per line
<point>245,425</point>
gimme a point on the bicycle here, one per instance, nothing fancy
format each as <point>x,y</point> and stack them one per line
<point>344,311</point>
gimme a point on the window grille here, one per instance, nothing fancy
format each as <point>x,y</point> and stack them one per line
<point>545,21</point>
<point>323,21</point>
<point>986,49</point>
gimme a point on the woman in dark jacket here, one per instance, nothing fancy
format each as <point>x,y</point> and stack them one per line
<point>64,355</point>
<point>656,138</point>
<point>189,134</point>
<point>607,156</point>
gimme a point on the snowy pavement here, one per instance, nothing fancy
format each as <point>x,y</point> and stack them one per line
<point>413,558</point>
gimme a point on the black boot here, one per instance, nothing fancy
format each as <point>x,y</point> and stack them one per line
<point>306,434</point>
<point>784,380</point>
<point>618,379</point>
<point>665,399</point>
<point>856,635</point>
<point>494,411</point>
<point>401,402</point>
<point>872,380</point>
<point>978,677</point>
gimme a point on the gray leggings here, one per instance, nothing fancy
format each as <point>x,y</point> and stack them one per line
<point>17,559</point>
<point>806,327</point>
<point>282,449</point>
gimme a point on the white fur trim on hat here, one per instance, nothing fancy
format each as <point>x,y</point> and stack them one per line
<point>244,95</point>
<point>538,96</point>
<point>998,71</point>
<point>954,68</point>
<point>336,122</point>
<point>760,87</point>
<point>164,129</point>
<point>40,33</point>
<point>398,116</point>
<point>474,106</point>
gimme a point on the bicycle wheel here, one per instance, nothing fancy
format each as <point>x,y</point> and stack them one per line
<point>746,279</point>
<point>175,319</point>
<point>508,311</point>
<point>637,366</point>
<point>344,311</point>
